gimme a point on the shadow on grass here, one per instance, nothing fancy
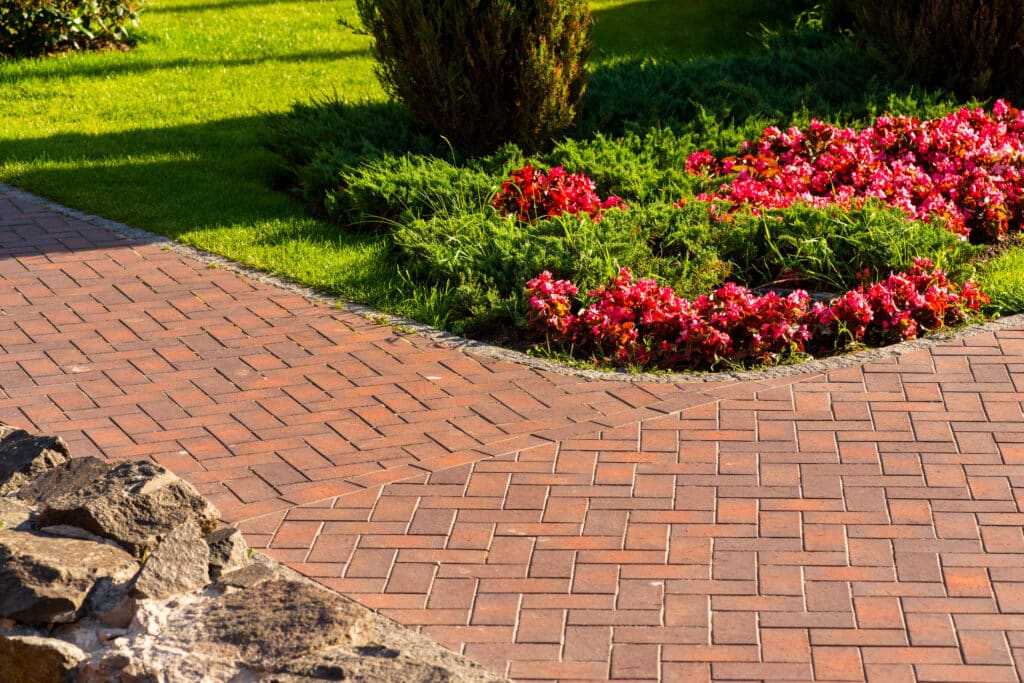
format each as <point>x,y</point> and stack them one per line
<point>798,77</point>
<point>114,68</point>
<point>190,182</point>
<point>694,28</point>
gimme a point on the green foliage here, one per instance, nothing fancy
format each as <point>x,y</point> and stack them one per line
<point>798,75</point>
<point>1002,278</point>
<point>405,188</point>
<point>641,167</point>
<point>826,249</point>
<point>37,27</point>
<point>320,142</point>
<point>483,72</point>
<point>682,245</point>
<point>485,259</point>
<point>973,47</point>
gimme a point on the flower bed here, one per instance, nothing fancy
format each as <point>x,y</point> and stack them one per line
<point>632,322</point>
<point>966,169</point>
<point>531,194</point>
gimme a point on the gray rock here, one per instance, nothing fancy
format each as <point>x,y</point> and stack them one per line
<point>33,659</point>
<point>46,579</point>
<point>367,665</point>
<point>13,514</point>
<point>262,622</point>
<point>135,504</point>
<point>24,456</point>
<point>180,564</point>
<point>228,551</point>
<point>238,636</point>
<point>246,577</point>
<point>117,666</point>
<point>73,475</point>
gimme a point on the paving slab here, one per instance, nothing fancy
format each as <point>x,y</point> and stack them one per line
<point>855,523</point>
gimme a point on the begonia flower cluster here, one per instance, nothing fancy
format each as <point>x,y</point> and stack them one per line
<point>634,322</point>
<point>966,169</point>
<point>531,194</point>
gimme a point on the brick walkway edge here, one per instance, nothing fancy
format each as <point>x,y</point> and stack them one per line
<point>863,523</point>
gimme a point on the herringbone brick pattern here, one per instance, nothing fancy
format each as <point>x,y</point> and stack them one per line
<point>865,524</point>
<point>260,398</point>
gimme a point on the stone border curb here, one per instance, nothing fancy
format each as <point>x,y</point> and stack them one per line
<point>484,350</point>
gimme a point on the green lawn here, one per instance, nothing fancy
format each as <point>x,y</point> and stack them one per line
<point>169,137</point>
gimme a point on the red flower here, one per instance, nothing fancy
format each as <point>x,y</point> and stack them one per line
<point>532,195</point>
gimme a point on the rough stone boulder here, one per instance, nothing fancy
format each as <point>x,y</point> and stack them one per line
<point>275,612</point>
<point>230,636</point>
<point>371,664</point>
<point>33,659</point>
<point>228,551</point>
<point>73,475</point>
<point>135,504</point>
<point>14,514</point>
<point>24,456</point>
<point>180,564</point>
<point>47,579</point>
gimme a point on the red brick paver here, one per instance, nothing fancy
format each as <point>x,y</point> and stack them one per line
<point>863,524</point>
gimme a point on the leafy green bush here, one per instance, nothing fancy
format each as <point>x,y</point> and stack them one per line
<point>683,245</point>
<point>483,72</point>
<point>973,47</point>
<point>36,27</point>
<point>644,167</point>
<point>1002,278</point>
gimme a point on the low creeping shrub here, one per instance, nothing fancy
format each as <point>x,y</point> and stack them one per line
<point>484,258</point>
<point>375,194</point>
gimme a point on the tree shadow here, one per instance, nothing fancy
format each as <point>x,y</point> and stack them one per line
<point>795,77</point>
<point>134,65</point>
<point>178,181</point>
<point>683,29</point>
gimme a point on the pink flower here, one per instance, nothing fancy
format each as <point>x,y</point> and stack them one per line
<point>633,321</point>
<point>965,169</point>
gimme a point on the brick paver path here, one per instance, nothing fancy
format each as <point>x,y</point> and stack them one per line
<point>860,524</point>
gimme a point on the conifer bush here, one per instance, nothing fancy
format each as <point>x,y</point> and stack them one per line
<point>973,47</point>
<point>483,72</point>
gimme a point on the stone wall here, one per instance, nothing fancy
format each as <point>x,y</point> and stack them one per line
<point>121,573</point>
